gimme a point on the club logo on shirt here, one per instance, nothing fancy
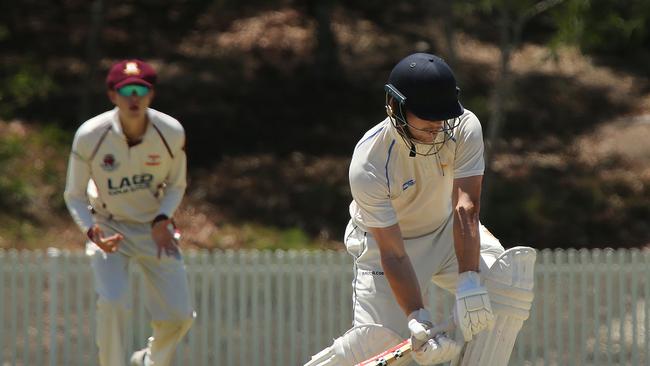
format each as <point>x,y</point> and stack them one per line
<point>407,184</point>
<point>152,160</point>
<point>108,163</point>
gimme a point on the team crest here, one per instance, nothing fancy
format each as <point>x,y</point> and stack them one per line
<point>131,68</point>
<point>108,163</point>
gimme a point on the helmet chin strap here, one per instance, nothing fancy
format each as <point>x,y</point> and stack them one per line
<point>403,132</point>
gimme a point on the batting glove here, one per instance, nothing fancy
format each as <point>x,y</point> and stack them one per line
<point>473,310</point>
<point>427,348</point>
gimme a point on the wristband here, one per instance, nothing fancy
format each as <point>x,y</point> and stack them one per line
<point>90,235</point>
<point>158,218</point>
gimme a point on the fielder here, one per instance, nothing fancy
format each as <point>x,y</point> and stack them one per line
<point>416,185</point>
<point>126,177</point>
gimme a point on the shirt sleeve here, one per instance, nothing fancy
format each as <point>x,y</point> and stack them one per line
<point>176,182</point>
<point>75,189</point>
<point>469,149</point>
<point>371,194</point>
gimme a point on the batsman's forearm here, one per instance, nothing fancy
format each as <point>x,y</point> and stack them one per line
<point>467,243</point>
<point>404,283</point>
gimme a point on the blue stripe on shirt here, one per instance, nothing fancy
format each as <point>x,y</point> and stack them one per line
<point>390,150</point>
<point>369,137</point>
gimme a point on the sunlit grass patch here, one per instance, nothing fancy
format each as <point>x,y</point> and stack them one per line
<point>256,236</point>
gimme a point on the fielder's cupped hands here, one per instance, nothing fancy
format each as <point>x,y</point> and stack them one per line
<point>473,310</point>
<point>108,244</point>
<point>162,233</point>
<point>429,346</point>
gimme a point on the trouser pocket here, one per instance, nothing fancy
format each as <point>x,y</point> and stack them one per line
<point>354,240</point>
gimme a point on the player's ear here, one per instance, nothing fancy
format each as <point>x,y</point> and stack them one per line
<point>111,95</point>
<point>390,106</point>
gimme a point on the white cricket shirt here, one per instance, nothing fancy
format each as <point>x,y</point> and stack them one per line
<point>132,184</point>
<point>388,186</point>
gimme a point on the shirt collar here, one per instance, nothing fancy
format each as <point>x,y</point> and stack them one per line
<point>115,122</point>
<point>404,146</point>
<point>392,131</point>
<point>117,126</point>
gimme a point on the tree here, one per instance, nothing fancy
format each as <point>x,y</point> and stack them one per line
<point>92,55</point>
<point>512,16</point>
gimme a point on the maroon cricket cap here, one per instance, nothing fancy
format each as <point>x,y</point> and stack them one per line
<point>131,72</point>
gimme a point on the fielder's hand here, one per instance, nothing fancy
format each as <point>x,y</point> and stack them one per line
<point>473,310</point>
<point>107,244</point>
<point>162,233</point>
<point>428,346</point>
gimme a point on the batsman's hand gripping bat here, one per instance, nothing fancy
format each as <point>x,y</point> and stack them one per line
<point>400,354</point>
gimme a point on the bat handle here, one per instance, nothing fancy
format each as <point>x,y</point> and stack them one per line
<point>446,326</point>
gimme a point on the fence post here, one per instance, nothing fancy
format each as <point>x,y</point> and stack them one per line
<point>53,255</point>
<point>26,265</point>
<point>2,296</point>
<point>571,261</point>
<point>13,258</point>
<point>634,254</point>
<point>40,288</point>
<point>584,289</point>
<point>591,306</point>
<point>646,313</point>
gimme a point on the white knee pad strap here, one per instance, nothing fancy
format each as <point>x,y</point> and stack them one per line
<point>356,345</point>
<point>510,286</point>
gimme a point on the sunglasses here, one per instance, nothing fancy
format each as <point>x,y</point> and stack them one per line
<point>131,89</point>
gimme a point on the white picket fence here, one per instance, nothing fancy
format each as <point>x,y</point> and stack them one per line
<point>279,308</point>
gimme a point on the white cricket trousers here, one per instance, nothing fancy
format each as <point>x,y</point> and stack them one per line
<point>433,259</point>
<point>166,293</point>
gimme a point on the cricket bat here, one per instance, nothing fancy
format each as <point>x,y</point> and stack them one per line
<point>395,356</point>
<point>400,354</point>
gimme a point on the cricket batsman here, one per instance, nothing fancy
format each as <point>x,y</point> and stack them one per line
<point>126,177</point>
<point>416,182</point>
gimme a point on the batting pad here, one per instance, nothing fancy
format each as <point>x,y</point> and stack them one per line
<point>510,286</point>
<point>356,345</point>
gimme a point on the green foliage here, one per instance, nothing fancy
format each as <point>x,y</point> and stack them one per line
<point>242,93</point>
<point>601,26</point>
<point>4,32</point>
<point>17,230</point>
<point>548,208</point>
<point>605,26</point>
<point>569,22</point>
<point>32,169</point>
<point>256,236</point>
<point>512,6</point>
<point>23,85</point>
<point>13,187</point>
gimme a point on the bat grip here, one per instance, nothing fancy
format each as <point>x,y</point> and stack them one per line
<point>445,326</point>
